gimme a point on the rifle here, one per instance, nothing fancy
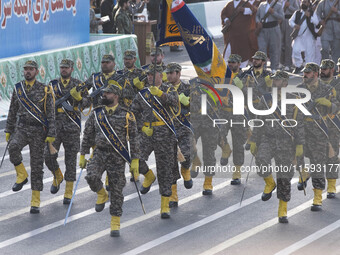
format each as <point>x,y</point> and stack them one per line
<point>266,15</point>
<point>119,78</point>
<point>226,26</point>
<point>295,31</point>
<point>64,98</point>
<point>319,33</point>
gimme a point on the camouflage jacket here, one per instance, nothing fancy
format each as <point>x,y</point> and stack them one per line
<point>41,96</point>
<point>130,91</point>
<point>124,124</point>
<point>143,112</point>
<point>185,89</point>
<point>274,130</point>
<point>123,22</point>
<point>63,122</point>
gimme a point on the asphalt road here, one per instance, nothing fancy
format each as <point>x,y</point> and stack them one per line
<point>214,224</point>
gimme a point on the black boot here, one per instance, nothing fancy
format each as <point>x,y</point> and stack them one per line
<point>18,186</point>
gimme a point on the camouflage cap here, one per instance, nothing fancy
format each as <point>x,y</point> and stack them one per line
<point>280,75</point>
<point>66,63</point>
<point>151,68</point>
<point>108,58</point>
<point>310,67</point>
<point>338,62</point>
<point>327,64</point>
<point>158,52</point>
<point>113,89</point>
<point>234,58</point>
<point>31,63</point>
<point>260,55</point>
<point>173,67</point>
<point>130,54</point>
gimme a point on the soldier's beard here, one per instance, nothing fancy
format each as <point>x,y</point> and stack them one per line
<point>106,101</point>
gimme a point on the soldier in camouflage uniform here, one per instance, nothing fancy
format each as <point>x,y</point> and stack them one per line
<point>157,55</point>
<point>281,143</point>
<point>68,129</point>
<point>184,133</point>
<point>258,78</point>
<point>29,131</point>
<point>327,76</point>
<point>105,157</point>
<point>317,142</point>
<point>122,18</point>
<point>157,138</point>
<point>204,129</point>
<point>238,132</point>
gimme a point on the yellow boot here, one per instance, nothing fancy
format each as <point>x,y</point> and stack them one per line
<point>35,202</point>
<point>207,186</point>
<point>165,209</point>
<point>305,176</point>
<point>226,151</point>
<point>102,198</point>
<point>56,182</point>
<point>236,180</point>
<point>107,183</point>
<point>196,164</point>
<point>268,189</point>
<point>331,189</point>
<point>282,212</point>
<point>187,177</point>
<point>21,177</point>
<point>317,201</point>
<point>174,197</point>
<point>68,193</point>
<point>148,180</point>
<point>115,226</point>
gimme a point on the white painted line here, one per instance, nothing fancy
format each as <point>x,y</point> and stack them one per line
<point>28,168</point>
<point>197,224</point>
<point>251,232</point>
<point>309,239</point>
<point>61,222</point>
<point>105,232</point>
<point>53,200</point>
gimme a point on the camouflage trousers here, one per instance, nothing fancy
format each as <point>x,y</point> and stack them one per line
<point>114,165</point>
<point>186,143</point>
<point>332,170</point>
<point>71,144</point>
<point>209,140</point>
<point>238,136</point>
<point>283,152</point>
<point>34,137</point>
<point>316,150</point>
<point>164,145</point>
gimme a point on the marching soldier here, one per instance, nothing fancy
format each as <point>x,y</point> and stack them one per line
<point>32,104</point>
<point>281,143</point>
<point>68,126</point>
<point>238,133</point>
<point>157,54</point>
<point>182,126</point>
<point>270,34</point>
<point>109,127</point>
<point>317,141</point>
<point>152,105</point>
<point>327,76</point>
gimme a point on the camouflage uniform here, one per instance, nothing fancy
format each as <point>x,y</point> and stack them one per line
<point>68,133</point>
<point>278,144</point>
<point>238,132</point>
<point>106,158</point>
<point>203,127</point>
<point>316,148</point>
<point>162,142</point>
<point>123,22</point>
<point>28,131</point>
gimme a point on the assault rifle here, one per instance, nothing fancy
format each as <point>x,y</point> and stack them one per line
<point>62,101</point>
<point>327,18</point>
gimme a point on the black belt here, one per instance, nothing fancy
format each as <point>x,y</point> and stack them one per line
<point>27,122</point>
<point>288,16</point>
<point>270,24</point>
<point>109,149</point>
